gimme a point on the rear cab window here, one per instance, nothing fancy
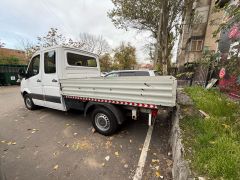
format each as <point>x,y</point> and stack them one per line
<point>74,59</point>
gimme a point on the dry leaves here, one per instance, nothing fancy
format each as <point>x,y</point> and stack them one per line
<point>55,167</point>
<point>107,158</point>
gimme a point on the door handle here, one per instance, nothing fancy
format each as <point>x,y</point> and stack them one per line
<point>39,80</point>
<point>54,80</point>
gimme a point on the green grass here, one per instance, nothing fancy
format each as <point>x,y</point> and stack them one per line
<point>213,144</point>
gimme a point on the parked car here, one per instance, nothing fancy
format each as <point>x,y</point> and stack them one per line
<point>132,73</point>
<point>66,78</point>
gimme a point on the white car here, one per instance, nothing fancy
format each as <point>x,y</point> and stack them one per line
<point>132,73</point>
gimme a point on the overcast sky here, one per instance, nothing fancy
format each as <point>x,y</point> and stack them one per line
<point>27,19</point>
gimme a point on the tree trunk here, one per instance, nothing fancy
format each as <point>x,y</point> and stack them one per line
<point>157,58</point>
<point>162,39</point>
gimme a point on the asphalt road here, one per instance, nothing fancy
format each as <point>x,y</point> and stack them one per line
<point>50,144</point>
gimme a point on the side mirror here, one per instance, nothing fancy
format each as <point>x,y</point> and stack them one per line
<point>22,73</point>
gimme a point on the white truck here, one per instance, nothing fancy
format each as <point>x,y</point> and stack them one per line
<point>66,78</point>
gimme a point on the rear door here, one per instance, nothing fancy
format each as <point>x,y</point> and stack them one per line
<point>50,81</point>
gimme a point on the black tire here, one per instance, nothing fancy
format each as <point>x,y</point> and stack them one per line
<point>28,102</point>
<point>104,121</point>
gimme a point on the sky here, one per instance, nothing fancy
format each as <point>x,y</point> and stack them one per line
<point>27,19</point>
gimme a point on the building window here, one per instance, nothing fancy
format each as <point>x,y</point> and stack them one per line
<point>196,45</point>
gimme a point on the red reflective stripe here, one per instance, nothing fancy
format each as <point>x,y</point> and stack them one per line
<point>152,106</point>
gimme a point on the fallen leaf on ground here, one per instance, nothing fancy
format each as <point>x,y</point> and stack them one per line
<point>107,158</point>
<point>3,141</point>
<point>55,167</point>
<point>155,160</point>
<point>75,134</point>
<point>55,153</point>
<point>108,144</point>
<point>212,142</point>
<point>154,154</point>
<point>226,126</point>
<point>157,167</point>
<point>9,143</point>
<point>67,124</point>
<point>169,162</point>
<point>116,153</point>
<point>14,143</point>
<point>157,174</point>
<point>204,114</point>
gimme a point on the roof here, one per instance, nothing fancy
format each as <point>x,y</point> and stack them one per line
<point>65,47</point>
<point>131,70</point>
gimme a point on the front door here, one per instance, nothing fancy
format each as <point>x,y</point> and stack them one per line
<point>34,81</point>
<point>51,87</point>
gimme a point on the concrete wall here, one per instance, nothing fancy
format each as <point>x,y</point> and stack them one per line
<point>180,169</point>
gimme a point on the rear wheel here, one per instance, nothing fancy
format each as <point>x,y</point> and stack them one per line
<point>104,121</point>
<point>28,102</point>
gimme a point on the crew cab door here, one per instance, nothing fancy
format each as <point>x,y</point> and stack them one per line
<point>33,81</point>
<point>51,87</point>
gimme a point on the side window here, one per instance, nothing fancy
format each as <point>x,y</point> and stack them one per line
<point>50,62</point>
<point>142,73</point>
<point>33,68</point>
<point>127,74</point>
<point>81,60</point>
<point>112,75</point>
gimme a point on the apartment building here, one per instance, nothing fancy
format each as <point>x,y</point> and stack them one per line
<point>196,36</point>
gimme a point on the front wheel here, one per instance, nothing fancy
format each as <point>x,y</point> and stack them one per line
<point>29,103</point>
<point>104,121</point>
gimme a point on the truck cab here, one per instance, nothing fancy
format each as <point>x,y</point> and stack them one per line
<point>40,83</point>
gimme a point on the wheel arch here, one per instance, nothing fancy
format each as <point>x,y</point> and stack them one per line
<point>117,111</point>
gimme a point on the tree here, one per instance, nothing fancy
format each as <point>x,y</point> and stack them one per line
<point>88,42</point>
<point>29,47</point>
<point>2,44</point>
<point>95,44</point>
<point>232,16</point>
<point>125,57</point>
<point>52,38</point>
<point>161,17</point>
<point>105,62</point>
